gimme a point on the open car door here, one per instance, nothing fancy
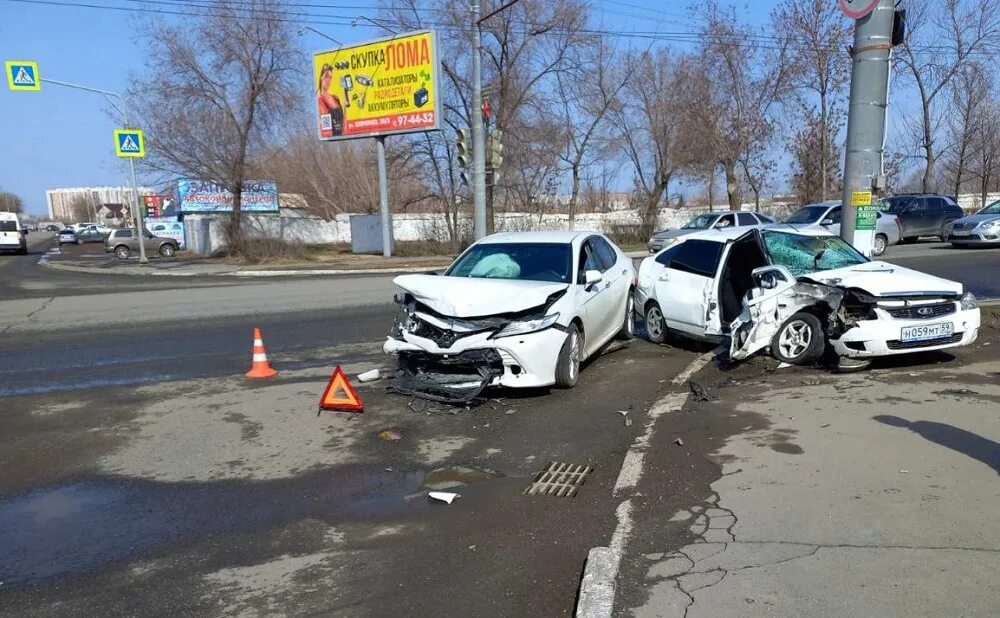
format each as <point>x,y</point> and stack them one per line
<point>764,311</point>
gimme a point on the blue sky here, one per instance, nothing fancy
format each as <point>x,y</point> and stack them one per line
<point>60,137</point>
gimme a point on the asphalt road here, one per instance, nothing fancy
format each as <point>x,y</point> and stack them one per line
<point>139,470</point>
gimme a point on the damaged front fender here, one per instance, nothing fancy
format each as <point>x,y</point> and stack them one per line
<point>776,297</point>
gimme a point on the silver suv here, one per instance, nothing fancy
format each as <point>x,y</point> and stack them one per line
<point>123,242</point>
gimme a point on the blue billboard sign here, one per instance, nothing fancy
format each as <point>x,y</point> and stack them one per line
<point>198,196</point>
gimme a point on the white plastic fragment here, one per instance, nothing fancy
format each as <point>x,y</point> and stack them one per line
<point>444,496</point>
<point>783,365</point>
<point>369,376</point>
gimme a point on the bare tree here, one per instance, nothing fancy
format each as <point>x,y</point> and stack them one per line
<point>586,92</point>
<point>649,122</point>
<point>524,46</point>
<point>942,36</point>
<point>750,80</point>
<point>213,87</point>
<point>969,92</point>
<point>819,66</point>
<point>985,164</point>
<point>807,147</point>
<point>11,202</point>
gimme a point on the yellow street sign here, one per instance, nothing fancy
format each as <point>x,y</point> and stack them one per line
<point>22,75</point>
<point>861,198</point>
<point>129,143</point>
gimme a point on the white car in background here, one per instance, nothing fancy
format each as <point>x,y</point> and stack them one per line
<point>708,221</point>
<point>826,216</point>
<point>795,293</point>
<point>516,310</point>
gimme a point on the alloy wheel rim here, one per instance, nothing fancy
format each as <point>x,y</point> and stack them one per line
<point>654,323</point>
<point>879,245</point>
<point>795,339</point>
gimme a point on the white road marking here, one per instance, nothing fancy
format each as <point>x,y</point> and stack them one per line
<point>600,605</point>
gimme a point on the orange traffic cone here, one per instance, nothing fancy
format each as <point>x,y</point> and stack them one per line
<point>260,368</point>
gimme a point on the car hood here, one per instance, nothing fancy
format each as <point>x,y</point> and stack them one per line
<point>884,279</point>
<point>976,219</point>
<point>467,297</point>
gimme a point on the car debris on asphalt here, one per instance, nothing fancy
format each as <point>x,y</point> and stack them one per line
<point>369,376</point>
<point>443,496</point>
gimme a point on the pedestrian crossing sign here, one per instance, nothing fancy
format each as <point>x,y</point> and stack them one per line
<point>129,143</point>
<point>22,75</point>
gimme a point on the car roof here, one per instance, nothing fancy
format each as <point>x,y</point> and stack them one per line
<point>10,216</point>
<point>558,237</point>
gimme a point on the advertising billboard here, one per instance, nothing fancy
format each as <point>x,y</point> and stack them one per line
<point>205,196</point>
<point>378,88</point>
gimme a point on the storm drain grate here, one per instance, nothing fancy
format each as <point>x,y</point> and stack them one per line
<point>559,479</point>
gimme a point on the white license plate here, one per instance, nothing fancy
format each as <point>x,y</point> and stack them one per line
<point>961,233</point>
<point>926,331</point>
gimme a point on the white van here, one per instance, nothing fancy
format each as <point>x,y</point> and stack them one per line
<point>12,236</point>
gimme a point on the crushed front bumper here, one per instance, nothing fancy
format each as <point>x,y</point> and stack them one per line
<point>524,360</point>
<point>881,337</point>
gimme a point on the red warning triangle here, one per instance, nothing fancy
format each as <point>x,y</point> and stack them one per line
<point>340,395</point>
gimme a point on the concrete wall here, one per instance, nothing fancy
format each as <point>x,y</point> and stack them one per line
<point>204,232</point>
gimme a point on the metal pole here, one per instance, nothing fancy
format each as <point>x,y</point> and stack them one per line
<point>383,198</point>
<point>866,115</point>
<point>138,215</point>
<point>478,133</point>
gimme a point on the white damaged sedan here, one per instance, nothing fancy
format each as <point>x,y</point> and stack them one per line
<point>798,293</point>
<point>515,309</point>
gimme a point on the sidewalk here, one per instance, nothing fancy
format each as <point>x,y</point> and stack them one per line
<point>810,493</point>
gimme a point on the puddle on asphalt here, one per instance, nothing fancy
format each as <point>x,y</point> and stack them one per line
<point>94,523</point>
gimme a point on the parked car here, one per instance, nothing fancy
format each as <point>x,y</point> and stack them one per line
<point>13,237</point>
<point>827,215</point>
<point>515,309</point>
<point>52,228</point>
<point>923,214</point>
<point>91,233</point>
<point>124,241</point>
<point>67,236</point>
<point>797,292</point>
<point>982,228</point>
<point>709,221</point>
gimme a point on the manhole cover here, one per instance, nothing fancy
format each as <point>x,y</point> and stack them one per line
<point>559,479</point>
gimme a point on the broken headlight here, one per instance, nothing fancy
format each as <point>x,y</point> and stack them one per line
<point>524,327</point>
<point>969,301</point>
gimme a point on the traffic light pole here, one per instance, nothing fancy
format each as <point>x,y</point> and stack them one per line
<point>478,132</point>
<point>137,215</point>
<point>866,115</point>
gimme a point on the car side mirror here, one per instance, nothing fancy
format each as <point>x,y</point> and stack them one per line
<point>826,222</point>
<point>592,276</point>
<point>770,277</point>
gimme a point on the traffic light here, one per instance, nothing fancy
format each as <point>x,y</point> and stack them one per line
<point>462,145</point>
<point>495,155</point>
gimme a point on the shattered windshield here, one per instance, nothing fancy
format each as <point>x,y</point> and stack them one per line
<point>523,261</point>
<point>992,209</point>
<point>803,254</point>
<point>701,222</point>
<point>806,214</point>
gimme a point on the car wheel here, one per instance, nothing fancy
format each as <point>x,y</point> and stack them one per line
<point>656,325</point>
<point>167,250</point>
<point>122,252</point>
<point>628,327</point>
<point>568,365</point>
<point>881,242</point>
<point>799,341</point>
